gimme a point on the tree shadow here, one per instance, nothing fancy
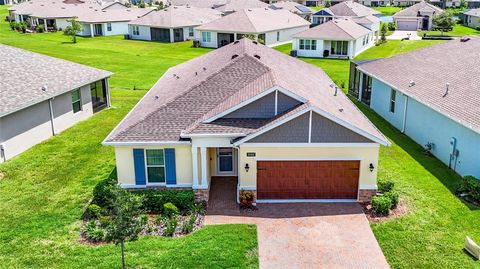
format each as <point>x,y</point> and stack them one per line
<point>438,169</point>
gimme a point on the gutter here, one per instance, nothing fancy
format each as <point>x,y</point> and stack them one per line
<point>50,107</point>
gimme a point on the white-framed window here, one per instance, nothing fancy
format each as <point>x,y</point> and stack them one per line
<point>393,97</point>
<point>155,166</point>
<point>135,30</point>
<point>76,101</point>
<point>190,31</point>
<point>339,47</point>
<point>206,37</point>
<point>306,44</point>
<point>109,27</point>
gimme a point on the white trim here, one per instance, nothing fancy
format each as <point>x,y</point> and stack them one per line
<point>134,186</point>
<point>195,181</point>
<point>368,187</point>
<point>310,145</point>
<point>310,127</point>
<point>146,143</point>
<point>247,188</point>
<point>251,136</point>
<point>212,135</point>
<point>310,159</point>
<point>204,166</point>
<point>255,98</point>
<point>200,187</point>
<point>279,201</point>
<point>461,122</point>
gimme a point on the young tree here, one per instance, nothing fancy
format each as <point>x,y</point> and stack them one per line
<point>142,4</point>
<point>383,32</point>
<point>328,3</point>
<point>73,29</point>
<point>160,6</point>
<point>443,22</point>
<point>126,222</point>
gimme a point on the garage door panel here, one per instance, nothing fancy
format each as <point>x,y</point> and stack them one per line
<point>307,179</point>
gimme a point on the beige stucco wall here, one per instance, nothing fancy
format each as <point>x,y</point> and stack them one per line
<point>366,155</point>
<point>126,171</point>
<point>30,126</point>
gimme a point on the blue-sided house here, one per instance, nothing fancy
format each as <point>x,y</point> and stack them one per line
<point>432,95</point>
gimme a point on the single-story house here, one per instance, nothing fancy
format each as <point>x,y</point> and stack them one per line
<point>418,16</point>
<point>171,24</point>
<point>308,3</point>
<point>405,3</point>
<point>245,111</point>
<point>295,8</point>
<point>437,107</point>
<point>342,10</point>
<point>96,19</point>
<point>270,27</point>
<point>224,6</point>
<point>445,3</point>
<point>375,3</point>
<point>338,38</point>
<point>473,4</point>
<point>41,96</point>
<point>471,18</point>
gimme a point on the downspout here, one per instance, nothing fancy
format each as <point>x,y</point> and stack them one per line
<point>405,114</point>
<point>238,174</point>
<point>50,107</point>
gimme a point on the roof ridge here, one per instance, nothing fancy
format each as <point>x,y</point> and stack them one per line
<point>245,11</point>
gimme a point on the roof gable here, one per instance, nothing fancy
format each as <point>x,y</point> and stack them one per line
<point>337,29</point>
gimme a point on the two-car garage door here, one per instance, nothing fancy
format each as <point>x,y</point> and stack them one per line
<point>307,179</point>
<point>407,25</point>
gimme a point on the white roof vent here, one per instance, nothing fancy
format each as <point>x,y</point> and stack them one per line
<point>411,83</point>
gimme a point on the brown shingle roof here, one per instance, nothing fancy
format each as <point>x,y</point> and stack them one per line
<point>178,16</point>
<point>201,88</point>
<point>413,10</point>
<point>351,9</point>
<point>258,20</point>
<point>338,29</point>
<point>25,73</point>
<point>431,68</point>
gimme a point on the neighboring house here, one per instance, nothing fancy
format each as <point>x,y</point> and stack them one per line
<point>96,19</point>
<point>346,9</point>
<point>473,3</point>
<point>445,3</point>
<point>437,107</point>
<point>375,3</point>
<point>471,18</point>
<point>224,6</point>
<point>271,27</point>
<point>172,24</point>
<point>41,96</point>
<point>405,3</point>
<point>418,16</point>
<point>295,8</point>
<point>246,111</point>
<point>338,38</point>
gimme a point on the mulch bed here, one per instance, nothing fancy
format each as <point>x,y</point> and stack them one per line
<point>400,210</point>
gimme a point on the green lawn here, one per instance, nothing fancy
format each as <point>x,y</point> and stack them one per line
<point>386,11</point>
<point>43,191</point>
<point>458,30</point>
<point>317,8</point>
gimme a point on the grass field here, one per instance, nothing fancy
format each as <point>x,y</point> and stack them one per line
<point>388,11</point>
<point>458,30</point>
<point>43,191</point>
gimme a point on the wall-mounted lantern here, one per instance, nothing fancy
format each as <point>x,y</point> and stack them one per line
<point>371,167</point>
<point>247,167</point>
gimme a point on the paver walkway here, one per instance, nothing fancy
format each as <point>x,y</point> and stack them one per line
<point>301,235</point>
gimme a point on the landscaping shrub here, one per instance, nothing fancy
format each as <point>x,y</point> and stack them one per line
<point>391,26</point>
<point>188,225</point>
<point>40,28</point>
<point>142,4</point>
<point>470,186</point>
<point>94,211</point>
<point>13,25</point>
<point>171,226</point>
<point>102,193</point>
<point>381,205</point>
<point>246,198</point>
<point>105,221</point>
<point>155,199</point>
<point>94,233</point>
<point>394,198</point>
<point>170,210</point>
<point>385,185</point>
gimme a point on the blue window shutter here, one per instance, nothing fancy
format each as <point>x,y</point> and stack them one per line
<point>170,168</point>
<point>139,164</point>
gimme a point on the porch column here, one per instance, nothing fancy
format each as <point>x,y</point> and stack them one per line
<point>203,154</point>
<point>172,37</point>
<point>92,33</point>
<point>195,182</point>
<point>234,36</point>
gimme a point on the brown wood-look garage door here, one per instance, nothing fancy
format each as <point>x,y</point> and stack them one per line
<point>307,179</point>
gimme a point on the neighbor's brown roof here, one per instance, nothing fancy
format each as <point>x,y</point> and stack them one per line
<point>178,16</point>
<point>192,92</point>
<point>258,20</point>
<point>431,68</point>
<point>25,73</point>
<point>337,29</point>
<point>236,5</point>
<point>413,10</point>
<point>351,9</point>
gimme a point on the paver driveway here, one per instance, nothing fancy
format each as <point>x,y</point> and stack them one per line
<point>302,235</point>
<point>399,34</point>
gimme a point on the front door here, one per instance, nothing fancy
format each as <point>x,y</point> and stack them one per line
<point>178,34</point>
<point>98,30</point>
<point>225,160</point>
<point>425,23</point>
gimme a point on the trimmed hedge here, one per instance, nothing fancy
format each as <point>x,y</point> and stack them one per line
<point>381,205</point>
<point>385,185</point>
<point>155,199</point>
<point>394,198</point>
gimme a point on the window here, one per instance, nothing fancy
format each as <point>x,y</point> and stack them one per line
<point>278,36</point>
<point>339,47</point>
<point>136,31</point>
<point>308,44</point>
<point>393,95</point>
<point>190,31</point>
<point>155,165</point>
<point>109,27</point>
<point>206,37</point>
<point>98,93</point>
<point>76,101</point>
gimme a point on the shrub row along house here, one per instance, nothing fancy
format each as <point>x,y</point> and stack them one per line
<point>53,95</point>
<point>96,20</point>
<point>245,111</point>
<point>437,107</point>
<point>418,16</point>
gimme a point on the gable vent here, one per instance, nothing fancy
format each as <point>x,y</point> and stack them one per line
<point>257,56</point>
<point>234,56</point>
